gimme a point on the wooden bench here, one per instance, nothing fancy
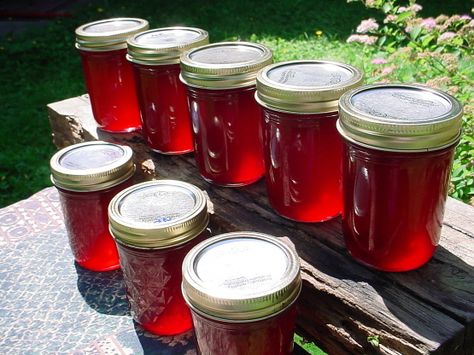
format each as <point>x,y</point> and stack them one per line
<point>345,306</point>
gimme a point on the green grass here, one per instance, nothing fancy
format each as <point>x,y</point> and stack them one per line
<point>41,66</point>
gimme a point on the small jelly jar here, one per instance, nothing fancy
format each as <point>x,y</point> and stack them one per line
<point>154,225</point>
<point>398,152</point>
<point>107,73</point>
<point>241,288</point>
<point>303,149</point>
<point>161,95</point>
<point>87,176</point>
<point>220,82</point>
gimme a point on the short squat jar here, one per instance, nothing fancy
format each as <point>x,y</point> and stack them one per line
<point>242,289</point>
<point>161,95</point>
<point>87,176</point>
<point>107,73</point>
<point>154,225</point>
<point>398,151</point>
<point>302,147</point>
<point>220,82</point>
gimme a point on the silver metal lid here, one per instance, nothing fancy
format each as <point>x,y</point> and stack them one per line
<point>91,166</point>
<point>158,214</point>
<point>305,86</point>
<point>224,65</point>
<point>241,277</point>
<point>164,45</point>
<point>110,34</point>
<point>400,117</point>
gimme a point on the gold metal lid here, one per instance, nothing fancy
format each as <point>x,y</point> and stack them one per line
<point>164,45</point>
<point>224,65</point>
<point>400,117</point>
<point>305,86</point>
<point>91,166</point>
<point>241,277</point>
<point>109,34</point>
<point>158,214</point>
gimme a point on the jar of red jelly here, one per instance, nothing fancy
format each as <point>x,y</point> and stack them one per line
<point>87,176</point>
<point>161,95</point>
<point>303,150</point>
<point>108,75</point>
<point>399,145</point>
<point>155,224</point>
<point>220,82</point>
<point>241,288</point>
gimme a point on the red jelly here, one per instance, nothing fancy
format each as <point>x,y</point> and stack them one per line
<point>303,149</point>
<point>242,289</point>
<point>87,176</point>
<point>220,82</point>
<point>162,97</point>
<point>108,75</point>
<point>399,146</point>
<point>155,224</point>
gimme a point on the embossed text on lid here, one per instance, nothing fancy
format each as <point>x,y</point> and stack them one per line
<point>228,54</point>
<point>400,117</point>
<point>305,86</point>
<point>115,26</point>
<point>310,74</point>
<point>241,276</point>
<point>91,157</point>
<point>166,38</point>
<point>158,214</point>
<point>403,104</point>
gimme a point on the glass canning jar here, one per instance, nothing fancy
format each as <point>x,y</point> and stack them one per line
<point>302,147</point>
<point>87,176</point>
<point>241,288</point>
<point>154,225</point>
<point>220,83</point>
<point>161,95</point>
<point>398,152</point>
<point>107,73</point>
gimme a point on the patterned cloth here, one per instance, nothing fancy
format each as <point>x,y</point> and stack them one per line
<point>48,304</point>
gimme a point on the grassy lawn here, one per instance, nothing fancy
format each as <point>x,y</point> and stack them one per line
<point>42,66</point>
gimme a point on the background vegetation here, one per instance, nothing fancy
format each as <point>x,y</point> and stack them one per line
<point>41,66</point>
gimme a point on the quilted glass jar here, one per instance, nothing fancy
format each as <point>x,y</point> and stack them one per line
<point>107,73</point>
<point>161,95</point>
<point>302,147</point>
<point>154,225</point>
<point>242,289</point>
<point>398,152</point>
<point>87,176</point>
<point>220,83</point>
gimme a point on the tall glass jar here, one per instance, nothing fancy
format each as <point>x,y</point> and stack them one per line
<point>242,289</point>
<point>87,176</point>
<point>399,145</point>
<point>107,73</point>
<point>162,98</point>
<point>303,150</point>
<point>154,225</point>
<point>220,82</point>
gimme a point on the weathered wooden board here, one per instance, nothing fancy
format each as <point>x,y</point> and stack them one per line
<point>430,310</point>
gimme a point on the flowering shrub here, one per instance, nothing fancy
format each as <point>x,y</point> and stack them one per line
<point>403,27</point>
<point>439,52</point>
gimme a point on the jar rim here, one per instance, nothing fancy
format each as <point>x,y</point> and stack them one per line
<point>216,71</point>
<point>400,117</point>
<point>95,178</point>
<point>299,90</point>
<point>241,295</point>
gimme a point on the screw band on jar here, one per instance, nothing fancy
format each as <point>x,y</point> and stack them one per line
<point>164,46</point>
<point>241,277</point>
<point>91,166</point>
<point>158,214</point>
<point>224,65</point>
<point>305,86</point>
<point>109,34</point>
<point>400,117</point>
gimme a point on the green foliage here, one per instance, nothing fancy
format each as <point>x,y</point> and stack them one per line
<point>374,340</point>
<point>309,346</point>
